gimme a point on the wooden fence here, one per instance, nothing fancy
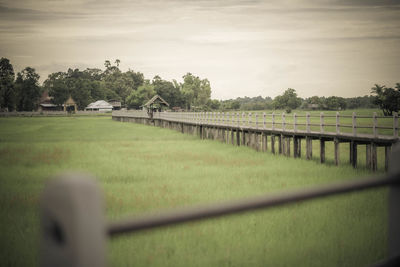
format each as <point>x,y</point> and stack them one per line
<point>254,130</point>
<point>75,233</point>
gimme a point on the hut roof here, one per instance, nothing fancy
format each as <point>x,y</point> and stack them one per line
<point>156,99</point>
<point>70,101</point>
<point>101,104</point>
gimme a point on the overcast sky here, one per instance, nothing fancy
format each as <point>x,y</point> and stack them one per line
<point>245,48</point>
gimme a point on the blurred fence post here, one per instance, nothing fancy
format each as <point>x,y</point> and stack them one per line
<point>395,124</point>
<point>256,120</point>
<point>72,224</point>
<point>394,200</point>
<point>308,122</point>
<point>273,120</point>
<point>321,122</point>
<point>354,123</point>
<point>337,123</point>
<point>264,120</point>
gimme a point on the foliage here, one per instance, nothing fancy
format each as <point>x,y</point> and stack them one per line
<point>139,97</point>
<point>169,91</point>
<point>288,100</point>
<point>195,91</point>
<point>388,99</point>
<point>28,90</point>
<point>7,89</point>
<point>93,84</point>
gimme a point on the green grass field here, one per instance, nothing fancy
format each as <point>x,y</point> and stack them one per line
<point>146,169</point>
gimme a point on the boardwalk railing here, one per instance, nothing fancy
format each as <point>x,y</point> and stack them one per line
<point>254,130</point>
<point>375,126</point>
<point>74,231</point>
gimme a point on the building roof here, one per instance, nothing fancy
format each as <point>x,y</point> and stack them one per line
<point>48,105</point>
<point>156,99</point>
<point>115,103</point>
<point>100,104</point>
<point>70,101</point>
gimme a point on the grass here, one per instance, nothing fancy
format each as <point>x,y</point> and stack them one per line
<point>146,169</point>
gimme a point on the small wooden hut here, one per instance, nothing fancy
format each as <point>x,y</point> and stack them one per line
<point>156,103</point>
<point>70,105</point>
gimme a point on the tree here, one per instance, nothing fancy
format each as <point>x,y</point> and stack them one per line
<point>139,97</point>
<point>288,100</point>
<point>168,91</point>
<point>28,89</point>
<point>57,88</point>
<point>7,89</point>
<point>388,99</point>
<point>334,103</point>
<point>122,84</point>
<point>195,92</point>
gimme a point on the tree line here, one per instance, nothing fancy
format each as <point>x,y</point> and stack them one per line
<point>22,92</point>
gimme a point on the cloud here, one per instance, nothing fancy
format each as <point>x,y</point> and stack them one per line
<point>27,14</point>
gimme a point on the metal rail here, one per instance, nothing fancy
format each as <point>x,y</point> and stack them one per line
<point>263,202</point>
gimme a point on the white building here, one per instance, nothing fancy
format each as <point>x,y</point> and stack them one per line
<point>99,105</point>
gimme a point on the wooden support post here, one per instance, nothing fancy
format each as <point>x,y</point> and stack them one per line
<point>280,137</point>
<point>374,157</point>
<point>299,148</point>
<point>321,150</point>
<point>232,137</point>
<point>264,142</point>
<point>368,160</point>
<point>72,223</point>
<point>243,142</point>
<point>388,151</point>
<point>257,136</point>
<point>353,154</point>
<point>273,144</point>
<point>238,137</point>
<point>308,148</point>
<point>288,146</point>
<point>295,146</point>
<point>394,200</point>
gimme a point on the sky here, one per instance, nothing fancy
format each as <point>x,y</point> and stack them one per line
<point>244,48</point>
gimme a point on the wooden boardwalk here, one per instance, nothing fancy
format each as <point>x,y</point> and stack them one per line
<point>246,129</point>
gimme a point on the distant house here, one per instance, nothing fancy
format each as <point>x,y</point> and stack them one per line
<point>46,103</point>
<point>116,104</point>
<point>313,106</point>
<point>99,105</point>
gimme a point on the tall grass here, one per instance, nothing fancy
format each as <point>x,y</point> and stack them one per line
<point>146,169</point>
